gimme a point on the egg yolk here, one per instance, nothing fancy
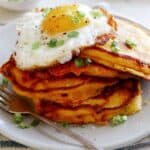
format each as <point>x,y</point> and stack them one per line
<point>63,19</point>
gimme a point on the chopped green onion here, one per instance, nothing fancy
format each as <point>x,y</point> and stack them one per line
<point>55,43</point>
<point>80,14</point>
<point>23,125</point>
<point>114,49</point>
<point>79,62</point>
<point>5,82</point>
<point>73,34</point>
<point>60,43</point>
<point>96,13</point>
<point>75,20</point>
<point>35,123</point>
<point>114,46</point>
<point>78,17</point>
<point>46,11</point>
<point>18,118</point>
<point>52,43</point>
<point>88,61</point>
<point>64,124</point>
<point>130,44</point>
<point>119,119</point>
<point>36,45</point>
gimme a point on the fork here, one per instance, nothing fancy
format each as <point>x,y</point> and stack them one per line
<point>9,100</point>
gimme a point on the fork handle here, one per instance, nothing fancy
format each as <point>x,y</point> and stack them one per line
<point>86,143</point>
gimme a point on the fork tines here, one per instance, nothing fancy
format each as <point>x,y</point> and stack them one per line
<point>5,97</point>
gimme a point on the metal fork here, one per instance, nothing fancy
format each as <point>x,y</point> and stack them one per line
<point>8,101</point>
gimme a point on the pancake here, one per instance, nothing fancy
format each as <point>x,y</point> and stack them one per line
<point>60,76</point>
<point>135,61</point>
<point>101,110</point>
<point>67,96</point>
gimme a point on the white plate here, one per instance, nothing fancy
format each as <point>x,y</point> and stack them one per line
<point>44,137</point>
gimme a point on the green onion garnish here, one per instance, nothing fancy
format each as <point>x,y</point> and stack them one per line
<point>23,125</point>
<point>130,44</point>
<point>35,123</point>
<point>79,62</point>
<point>88,61</point>
<point>5,82</point>
<point>96,13</point>
<point>77,18</point>
<point>55,43</point>
<point>80,14</point>
<point>36,45</point>
<point>119,119</point>
<point>114,46</point>
<point>64,124</point>
<point>52,43</point>
<point>114,49</point>
<point>18,118</point>
<point>46,11</point>
<point>73,34</point>
<point>60,43</point>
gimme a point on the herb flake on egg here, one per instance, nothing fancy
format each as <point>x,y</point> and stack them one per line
<point>55,43</point>
<point>46,11</point>
<point>36,45</point>
<point>80,15</point>
<point>60,43</point>
<point>96,13</point>
<point>73,34</point>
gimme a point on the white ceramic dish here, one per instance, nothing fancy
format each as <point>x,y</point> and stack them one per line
<point>19,5</point>
<point>44,137</point>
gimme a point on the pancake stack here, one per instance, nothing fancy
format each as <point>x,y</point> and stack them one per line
<point>97,84</point>
<point>79,95</point>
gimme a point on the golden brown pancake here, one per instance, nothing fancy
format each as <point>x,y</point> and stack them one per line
<point>67,96</point>
<point>125,99</point>
<point>135,61</point>
<point>60,76</point>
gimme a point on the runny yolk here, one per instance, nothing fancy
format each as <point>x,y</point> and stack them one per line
<point>63,19</point>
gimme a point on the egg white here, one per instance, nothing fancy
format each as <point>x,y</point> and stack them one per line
<point>29,31</point>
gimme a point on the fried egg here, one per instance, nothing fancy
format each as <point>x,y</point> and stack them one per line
<point>51,36</point>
